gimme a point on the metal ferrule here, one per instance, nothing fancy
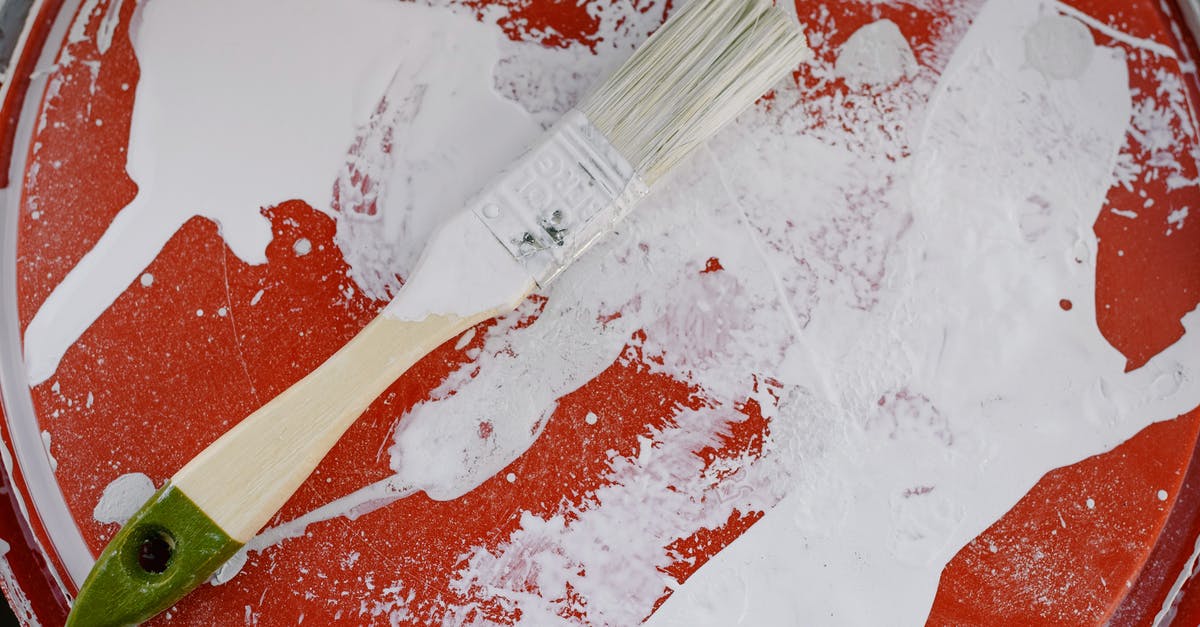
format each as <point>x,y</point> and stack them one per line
<point>559,198</point>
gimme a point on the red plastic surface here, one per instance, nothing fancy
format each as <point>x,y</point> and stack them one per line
<point>166,382</point>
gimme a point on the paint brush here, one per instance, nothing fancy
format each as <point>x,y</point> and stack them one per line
<point>704,65</point>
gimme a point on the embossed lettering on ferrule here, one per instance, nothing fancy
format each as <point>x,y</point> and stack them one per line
<point>558,198</point>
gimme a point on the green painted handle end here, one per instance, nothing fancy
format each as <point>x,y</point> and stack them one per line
<point>167,548</point>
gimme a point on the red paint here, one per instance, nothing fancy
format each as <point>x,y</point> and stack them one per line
<point>1066,304</point>
<point>1089,554</point>
<point>712,265</point>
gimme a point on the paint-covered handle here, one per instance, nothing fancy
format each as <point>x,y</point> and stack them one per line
<point>167,548</point>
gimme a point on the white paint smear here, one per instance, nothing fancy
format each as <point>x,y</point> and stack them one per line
<point>122,498</point>
<point>877,55</point>
<point>893,261</point>
<point>201,143</point>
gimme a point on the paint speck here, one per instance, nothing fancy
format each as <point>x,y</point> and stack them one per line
<point>302,247</point>
<point>35,214</point>
<point>99,122</point>
<point>1162,495</point>
<point>147,279</point>
<point>1177,217</point>
<point>1066,304</point>
<point>591,418</point>
<point>511,478</point>
<point>1091,503</point>
<point>56,388</point>
<point>124,86</point>
<point>49,455</point>
<point>712,265</point>
<point>90,399</point>
<point>224,311</point>
<point>199,313</point>
<point>257,297</point>
<point>993,548</point>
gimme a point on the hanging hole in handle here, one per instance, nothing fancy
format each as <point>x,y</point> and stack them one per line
<point>151,549</point>
<point>154,553</point>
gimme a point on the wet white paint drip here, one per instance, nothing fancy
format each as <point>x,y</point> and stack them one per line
<point>900,281</point>
<point>122,498</point>
<point>351,506</point>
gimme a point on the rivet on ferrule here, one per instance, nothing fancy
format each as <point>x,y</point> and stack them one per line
<point>558,198</point>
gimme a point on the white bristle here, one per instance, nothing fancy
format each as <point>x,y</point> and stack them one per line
<point>698,71</point>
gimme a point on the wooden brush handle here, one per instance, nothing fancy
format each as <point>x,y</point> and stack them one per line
<point>221,498</point>
<point>243,478</point>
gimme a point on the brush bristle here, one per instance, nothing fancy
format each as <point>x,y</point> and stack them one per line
<point>698,71</point>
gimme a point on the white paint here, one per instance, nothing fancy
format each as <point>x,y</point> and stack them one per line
<point>21,607</point>
<point>49,453</point>
<point>384,221</point>
<point>302,247</point>
<point>108,26</point>
<point>977,128</point>
<point>1091,503</point>
<point>122,498</point>
<point>465,339</point>
<point>1161,50</point>
<point>877,55</point>
<point>464,270</point>
<point>351,506</point>
<point>921,267</point>
<point>1162,495</point>
<point>1059,47</point>
<point>147,279</point>
<point>1177,217</point>
<point>333,84</point>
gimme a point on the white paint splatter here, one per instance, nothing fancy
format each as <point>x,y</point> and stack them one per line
<point>122,498</point>
<point>877,55</point>
<point>899,285</point>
